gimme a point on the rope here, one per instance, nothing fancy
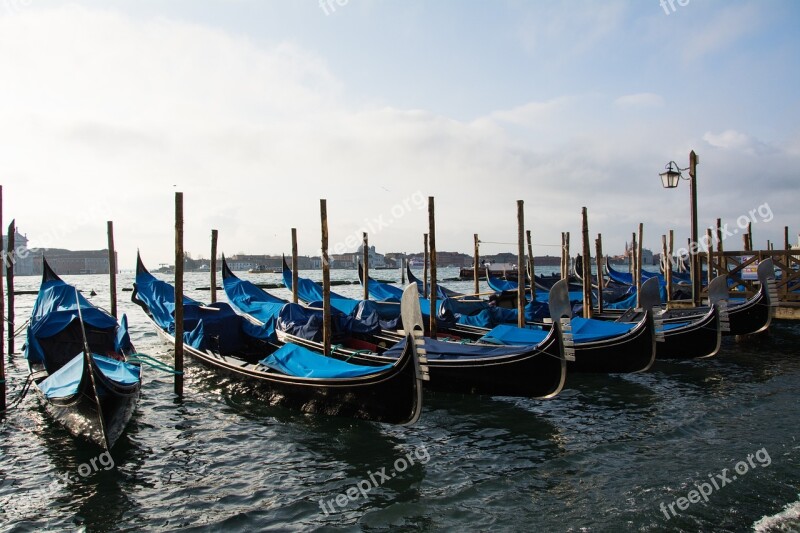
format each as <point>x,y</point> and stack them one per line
<point>515,244</point>
<point>21,328</point>
<point>153,363</point>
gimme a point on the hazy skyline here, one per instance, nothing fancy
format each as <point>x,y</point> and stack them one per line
<point>256,110</point>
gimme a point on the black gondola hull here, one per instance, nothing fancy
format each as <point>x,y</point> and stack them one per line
<point>633,352</point>
<point>700,338</point>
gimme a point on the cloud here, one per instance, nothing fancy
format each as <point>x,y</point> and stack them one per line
<point>737,141</point>
<point>640,100</point>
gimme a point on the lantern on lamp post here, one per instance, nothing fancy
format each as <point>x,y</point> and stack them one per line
<point>669,180</point>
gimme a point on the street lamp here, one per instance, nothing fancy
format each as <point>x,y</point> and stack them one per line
<point>670,179</point>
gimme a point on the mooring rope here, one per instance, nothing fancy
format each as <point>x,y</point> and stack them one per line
<point>153,363</point>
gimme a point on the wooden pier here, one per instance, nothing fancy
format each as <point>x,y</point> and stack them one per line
<point>736,263</point>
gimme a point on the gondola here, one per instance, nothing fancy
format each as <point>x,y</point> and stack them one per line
<point>679,335</point>
<point>77,357</point>
<point>534,371</point>
<point>287,375</point>
<point>754,314</point>
<point>744,317</point>
<point>599,346</point>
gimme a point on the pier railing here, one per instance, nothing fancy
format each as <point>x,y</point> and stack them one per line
<point>735,263</point>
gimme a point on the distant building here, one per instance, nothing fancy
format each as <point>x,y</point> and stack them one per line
<point>271,262</point>
<point>376,260</point>
<point>28,262</point>
<point>68,262</point>
<point>647,255</point>
<point>23,257</point>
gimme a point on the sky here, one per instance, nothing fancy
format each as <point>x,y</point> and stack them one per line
<point>258,109</point>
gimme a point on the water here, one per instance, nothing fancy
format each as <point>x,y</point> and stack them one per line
<point>602,456</point>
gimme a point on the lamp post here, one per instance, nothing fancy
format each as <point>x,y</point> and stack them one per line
<point>670,179</point>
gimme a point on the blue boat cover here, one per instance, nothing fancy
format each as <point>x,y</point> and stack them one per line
<point>56,308</point>
<point>590,329</point>
<point>66,381</point>
<point>216,326</point>
<point>583,330</point>
<point>439,350</point>
<point>303,322</point>
<point>506,334</point>
<point>500,285</point>
<point>295,360</point>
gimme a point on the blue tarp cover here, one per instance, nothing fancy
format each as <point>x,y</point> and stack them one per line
<point>294,360</point>
<point>506,334</point>
<point>56,307</point>
<point>583,330</point>
<point>65,382</point>
<point>590,329</point>
<point>216,326</point>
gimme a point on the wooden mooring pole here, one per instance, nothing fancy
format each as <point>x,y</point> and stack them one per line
<point>432,244</point>
<point>179,293</point>
<point>425,260</point>
<point>601,282</point>
<point>475,266</point>
<point>326,280</point>
<point>214,237</point>
<point>294,266</point>
<point>520,264</point>
<point>531,265</point>
<point>112,269</point>
<point>586,265</point>
<point>670,251</point>
<point>365,261</point>
<point>11,259</point>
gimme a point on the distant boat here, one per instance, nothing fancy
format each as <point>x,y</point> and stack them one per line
<point>264,269</point>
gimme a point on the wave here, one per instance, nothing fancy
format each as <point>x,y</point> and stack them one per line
<point>786,520</point>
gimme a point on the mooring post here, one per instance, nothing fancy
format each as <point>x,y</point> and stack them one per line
<point>787,261</point>
<point>365,260</point>
<point>639,257</point>
<point>567,258</point>
<point>425,260</point>
<point>669,264</point>
<point>598,243</point>
<point>214,236</point>
<point>531,265</point>
<point>634,263</point>
<point>432,244</point>
<point>710,255</point>
<point>722,263</point>
<point>475,259</point>
<point>403,264</point>
<point>112,269</point>
<point>520,264</point>
<point>179,293</point>
<point>10,260</point>
<point>563,245</point>
<point>294,266</point>
<point>750,236</point>
<point>586,266</point>
<point>326,281</point>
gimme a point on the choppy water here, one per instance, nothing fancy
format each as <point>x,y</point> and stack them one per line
<point>602,456</point>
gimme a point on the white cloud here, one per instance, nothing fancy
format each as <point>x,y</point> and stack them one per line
<point>737,141</point>
<point>640,100</point>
